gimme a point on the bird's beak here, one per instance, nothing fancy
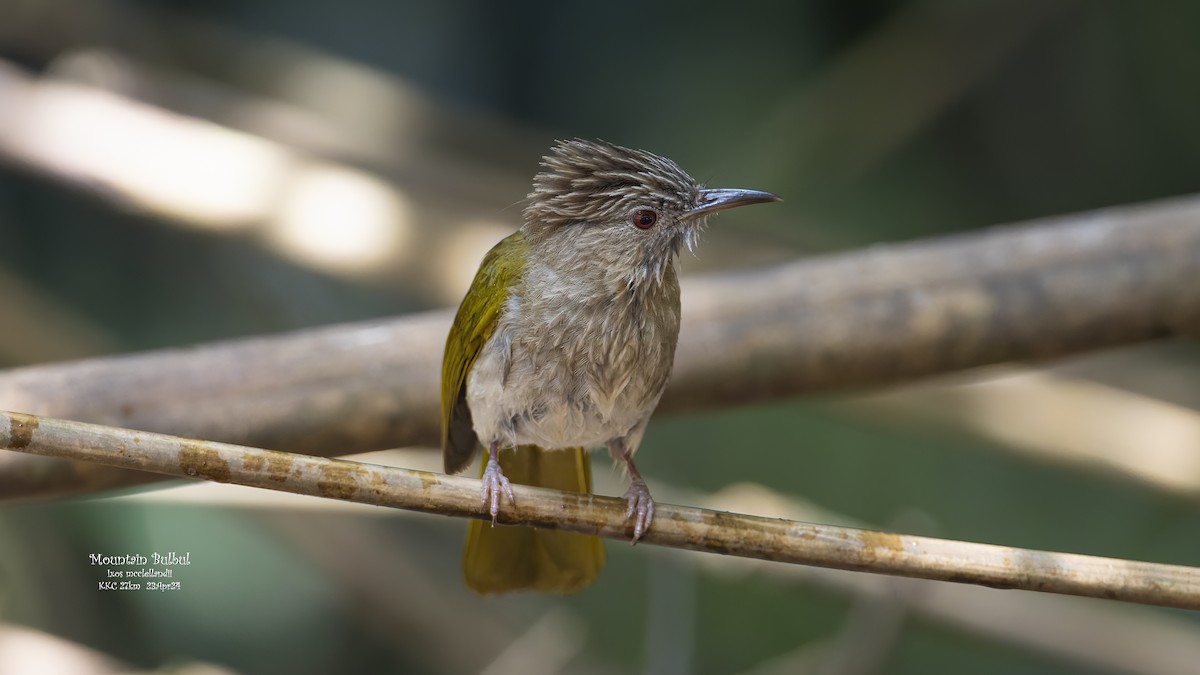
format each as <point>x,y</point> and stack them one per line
<point>719,199</point>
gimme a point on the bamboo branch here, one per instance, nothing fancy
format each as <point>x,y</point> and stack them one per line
<point>674,526</point>
<point>886,314</point>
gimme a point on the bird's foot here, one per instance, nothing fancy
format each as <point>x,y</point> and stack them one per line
<point>640,509</point>
<point>495,484</point>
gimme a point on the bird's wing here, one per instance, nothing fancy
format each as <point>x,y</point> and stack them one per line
<point>473,325</point>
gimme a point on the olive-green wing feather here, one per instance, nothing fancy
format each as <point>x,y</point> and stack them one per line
<point>473,325</point>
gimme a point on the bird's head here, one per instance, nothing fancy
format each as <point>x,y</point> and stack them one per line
<point>601,204</point>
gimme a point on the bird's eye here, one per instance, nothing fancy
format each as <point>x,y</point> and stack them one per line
<point>645,219</point>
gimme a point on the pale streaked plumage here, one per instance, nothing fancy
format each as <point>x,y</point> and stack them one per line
<point>567,337</point>
<point>585,342</point>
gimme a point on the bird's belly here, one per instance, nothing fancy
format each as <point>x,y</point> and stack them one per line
<point>561,426</point>
<point>549,406</point>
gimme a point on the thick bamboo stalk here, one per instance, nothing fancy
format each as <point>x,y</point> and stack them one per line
<point>881,315</point>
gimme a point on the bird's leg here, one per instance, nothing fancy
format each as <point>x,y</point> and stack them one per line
<point>494,482</point>
<point>641,505</point>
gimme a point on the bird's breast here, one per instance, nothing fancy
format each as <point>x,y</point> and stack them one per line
<point>574,366</point>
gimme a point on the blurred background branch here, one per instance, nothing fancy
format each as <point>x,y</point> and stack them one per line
<point>890,313</point>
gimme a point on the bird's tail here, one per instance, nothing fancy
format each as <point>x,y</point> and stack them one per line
<point>501,558</point>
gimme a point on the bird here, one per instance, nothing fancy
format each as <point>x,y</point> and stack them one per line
<point>564,343</point>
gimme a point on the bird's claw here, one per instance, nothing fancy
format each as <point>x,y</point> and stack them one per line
<point>494,484</point>
<point>640,509</point>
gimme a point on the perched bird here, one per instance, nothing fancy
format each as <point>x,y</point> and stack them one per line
<point>564,342</point>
